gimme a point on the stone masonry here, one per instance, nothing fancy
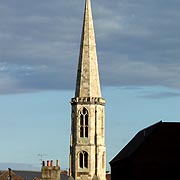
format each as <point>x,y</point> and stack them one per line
<point>49,171</point>
<point>87,144</point>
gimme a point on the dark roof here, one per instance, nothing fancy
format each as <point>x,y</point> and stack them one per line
<point>140,138</point>
<point>64,177</point>
<point>30,175</point>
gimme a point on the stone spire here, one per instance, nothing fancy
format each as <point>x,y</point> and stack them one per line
<point>87,82</point>
<point>87,140</point>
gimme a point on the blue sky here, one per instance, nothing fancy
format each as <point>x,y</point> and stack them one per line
<point>138,52</point>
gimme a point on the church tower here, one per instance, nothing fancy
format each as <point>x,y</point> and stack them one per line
<point>87,144</point>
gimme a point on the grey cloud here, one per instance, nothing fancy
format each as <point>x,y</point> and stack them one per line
<point>138,43</point>
<point>161,95</point>
<point>136,73</point>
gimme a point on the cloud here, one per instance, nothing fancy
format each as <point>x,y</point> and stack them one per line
<point>162,95</point>
<point>139,73</point>
<point>18,166</point>
<point>137,42</point>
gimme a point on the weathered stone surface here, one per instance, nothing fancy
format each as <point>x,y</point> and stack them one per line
<point>95,178</point>
<point>50,172</point>
<point>87,82</point>
<point>70,178</point>
<point>87,144</point>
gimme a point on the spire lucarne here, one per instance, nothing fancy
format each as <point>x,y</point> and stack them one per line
<point>87,142</point>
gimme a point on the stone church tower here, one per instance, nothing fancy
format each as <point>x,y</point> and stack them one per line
<point>87,146</point>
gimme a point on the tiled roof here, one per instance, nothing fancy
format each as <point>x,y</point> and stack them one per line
<point>25,175</point>
<point>108,176</point>
<point>5,175</point>
<point>28,175</point>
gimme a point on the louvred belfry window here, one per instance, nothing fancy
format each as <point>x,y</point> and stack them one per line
<point>84,122</point>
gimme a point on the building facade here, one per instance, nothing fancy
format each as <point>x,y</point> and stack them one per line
<point>87,144</point>
<point>153,153</point>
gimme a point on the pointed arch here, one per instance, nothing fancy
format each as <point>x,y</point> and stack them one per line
<point>83,122</point>
<point>83,159</point>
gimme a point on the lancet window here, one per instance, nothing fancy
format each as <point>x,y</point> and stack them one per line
<point>83,159</point>
<point>84,122</point>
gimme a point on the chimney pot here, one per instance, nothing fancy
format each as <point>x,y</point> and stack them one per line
<point>51,164</point>
<point>57,162</point>
<point>47,163</point>
<point>43,163</point>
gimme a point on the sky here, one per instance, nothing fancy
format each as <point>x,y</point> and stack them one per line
<point>138,46</point>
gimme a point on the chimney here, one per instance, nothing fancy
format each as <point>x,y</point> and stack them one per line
<point>9,174</point>
<point>50,172</point>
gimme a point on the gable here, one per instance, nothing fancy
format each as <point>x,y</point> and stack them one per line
<point>5,175</point>
<point>163,136</point>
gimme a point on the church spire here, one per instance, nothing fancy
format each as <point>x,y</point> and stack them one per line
<point>87,142</point>
<point>87,82</point>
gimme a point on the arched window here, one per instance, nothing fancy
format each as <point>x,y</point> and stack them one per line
<point>83,159</point>
<point>84,122</point>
